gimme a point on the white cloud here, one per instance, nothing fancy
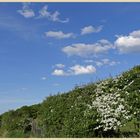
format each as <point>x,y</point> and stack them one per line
<point>44,78</point>
<point>90,29</point>
<point>58,72</point>
<point>44,13</point>
<point>60,65</point>
<point>135,33</point>
<point>26,11</point>
<point>78,69</point>
<point>128,44</point>
<point>59,34</point>
<point>82,49</point>
<point>55,17</point>
<point>106,61</point>
<point>75,70</point>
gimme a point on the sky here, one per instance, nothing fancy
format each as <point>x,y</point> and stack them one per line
<point>49,48</point>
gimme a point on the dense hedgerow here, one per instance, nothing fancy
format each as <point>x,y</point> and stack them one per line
<point>108,108</point>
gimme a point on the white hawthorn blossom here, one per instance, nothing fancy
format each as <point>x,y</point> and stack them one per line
<point>111,107</point>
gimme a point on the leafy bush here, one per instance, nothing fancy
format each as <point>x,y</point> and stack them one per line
<point>108,108</point>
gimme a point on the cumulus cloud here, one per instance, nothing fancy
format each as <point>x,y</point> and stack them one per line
<point>90,29</point>
<point>59,65</point>
<point>78,69</point>
<point>135,33</point>
<point>75,70</point>
<point>128,44</point>
<point>82,49</point>
<point>59,72</point>
<point>59,34</point>
<point>44,13</point>
<point>26,11</point>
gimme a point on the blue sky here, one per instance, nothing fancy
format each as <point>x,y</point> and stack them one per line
<point>46,48</point>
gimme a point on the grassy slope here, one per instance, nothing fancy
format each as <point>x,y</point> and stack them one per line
<point>79,112</point>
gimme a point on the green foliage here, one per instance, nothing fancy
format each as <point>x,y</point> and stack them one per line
<point>73,114</point>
